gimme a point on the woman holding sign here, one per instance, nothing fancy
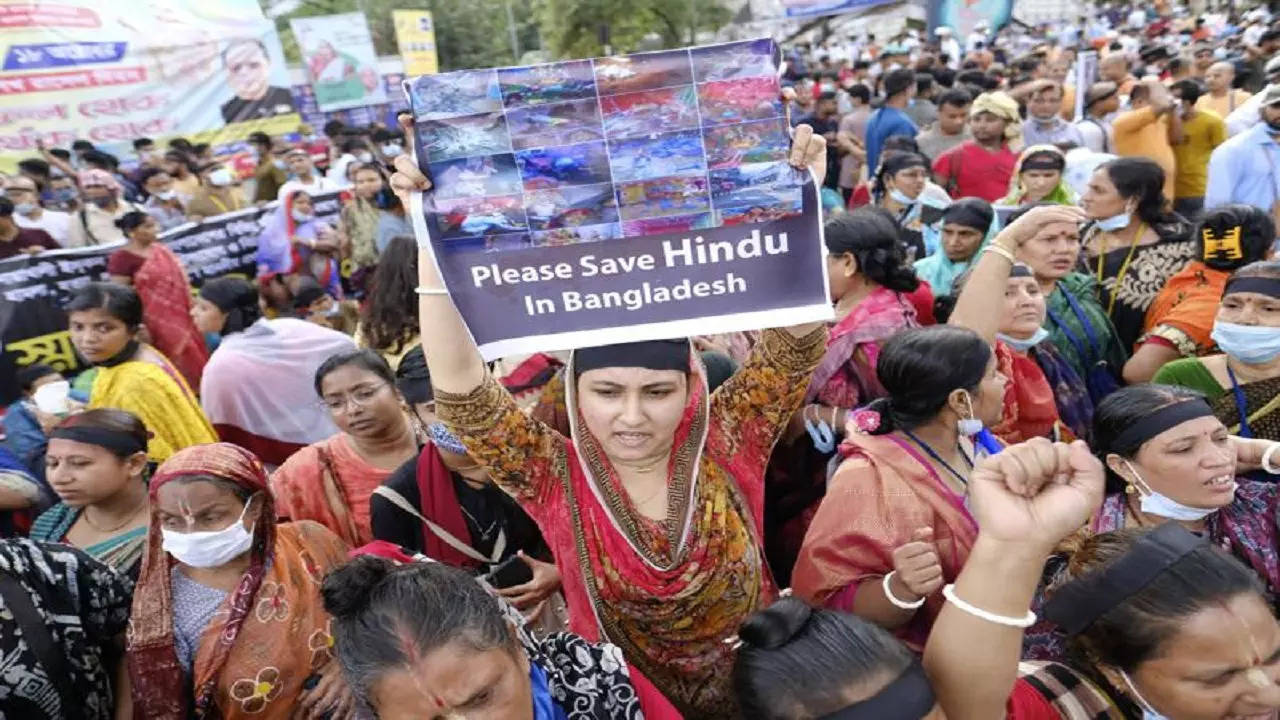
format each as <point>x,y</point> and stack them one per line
<point>653,506</point>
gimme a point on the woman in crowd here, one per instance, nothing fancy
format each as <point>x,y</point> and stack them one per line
<point>426,635</point>
<point>387,323</point>
<point>967,225</point>
<point>227,616</point>
<point>1037,178</point>
<point>257,388</point>
<point>1133,244</point>
<point>1243,382</point>
<point>104,319</point>
<point>392,223</point>
<point>894,524</point>
<point>800,662</point>
<point>295,242</point>
<point>62,658</point>
<point>358,221</point>
<point>443,505</point>
<point>1077,324</point>
<point>182,168</point>
<point>1043,396</point>
<point>653,506</point>
<point>331,481</point>
<point>1179,322</point>
<point>163,202</point>
<point>871,286</point>
<point>900,188</point>
<point>160,280</point>
<point>1163,624</point>
<point>97,464</point>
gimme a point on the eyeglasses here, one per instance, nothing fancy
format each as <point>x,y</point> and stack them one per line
<point>362,397</point>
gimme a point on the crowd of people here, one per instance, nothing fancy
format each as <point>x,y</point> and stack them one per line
<point>1028,471</point>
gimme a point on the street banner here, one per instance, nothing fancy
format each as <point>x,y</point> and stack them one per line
<point>109,72</point>
<point>963,16</point>
<point>34,288</point>
<point>816,8</point>
<point>416,38</point>
<point>636,197</point>
<point>339,59</point>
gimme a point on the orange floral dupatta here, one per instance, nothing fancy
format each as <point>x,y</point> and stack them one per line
<point>276,608</point>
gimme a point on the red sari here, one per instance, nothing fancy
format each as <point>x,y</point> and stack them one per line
<point>165,292</point>
<point>1029,407</point>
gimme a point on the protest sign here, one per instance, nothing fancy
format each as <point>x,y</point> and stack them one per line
<point>112,72</point>
<point>599,201</point>
<point>341,64</point>
<point>34,288</point>
<point>416,38</point>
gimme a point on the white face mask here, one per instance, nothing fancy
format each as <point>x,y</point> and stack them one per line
<point>1153,503</point>
<point>970,426</point>
<point>166,195</point>
<point>901,197</point>
<point>365,157</point>
<point>1039,336</point>
<point>209,549</point>
<point>391,150</point>
<point>1148,712</point>
<point>299,216</point>
<point>1115,222</point>
<point>221,177</point>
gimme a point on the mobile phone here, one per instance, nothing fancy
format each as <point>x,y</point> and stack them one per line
<point>513,571</point>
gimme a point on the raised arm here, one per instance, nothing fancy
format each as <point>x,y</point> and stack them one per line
<point>1025,499</point>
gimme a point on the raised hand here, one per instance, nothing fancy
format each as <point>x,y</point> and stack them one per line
<point>1032,221</point>
<point>916,567</point>
<point>407,178</point>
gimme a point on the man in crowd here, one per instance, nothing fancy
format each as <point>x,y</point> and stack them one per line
<point>1248,115</point>
<point>1115,67</point>
<point>981,167</point>
<point>1044,125</point>
<point>28,213</point>
<point>1146,128</point>
<point>303,172</point>
<point>163,202</point>
<point>95,224</point>
<point>268,174</point>
<point>1202,131</point>
<point>1202,60</point>
<point>217,195</point>
<point>952,127</point>
<point>825,121</point>
<point>891,119</point>
<point>921,109</point>
<point>1221,98</point>
<point>851,139</point>
<point>1246,168</point>
<point>1102,100</point>
<point>15,240</point>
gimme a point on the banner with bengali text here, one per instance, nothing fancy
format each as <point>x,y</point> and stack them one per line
<point>109,72</point>
<point>34,288</point>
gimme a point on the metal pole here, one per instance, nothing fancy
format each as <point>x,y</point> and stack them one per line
<point>511,29</point>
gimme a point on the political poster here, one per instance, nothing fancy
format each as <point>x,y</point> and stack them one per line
<point>416,38</point>
<point>635,197</point>
<point>111,72</point>
<point>339,60</point>
<point>34,288</point>
<point>964,15</point>
<point>816,8</point>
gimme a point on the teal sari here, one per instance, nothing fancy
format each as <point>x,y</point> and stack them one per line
<point>122,552</point>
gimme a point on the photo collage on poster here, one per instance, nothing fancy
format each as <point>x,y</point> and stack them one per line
<point>591,150</point>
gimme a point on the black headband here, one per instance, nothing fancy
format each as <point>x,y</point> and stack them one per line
<point>1253,284</point>
<point>1020,270</point>
<point>651,355</point>
<point>1160,420</point>
<point>896,162</point>
<point>121,443</point>
<point>1044,160</point>
<point>909,697</point>
<point>969,214</point>
<point>1078,604</point>
<point>1102,97</point>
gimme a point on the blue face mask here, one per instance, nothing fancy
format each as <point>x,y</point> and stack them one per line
<point>1113,223</point>
<point>901,197</point>
<point>442,438</point>
<point>1250,344</point>
<point>1024,345</point>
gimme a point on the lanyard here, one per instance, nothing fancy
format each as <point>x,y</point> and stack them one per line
<point>1241,406</point>
<point>929,451</point>
<point>1124,266</point>
<point>221,205</point>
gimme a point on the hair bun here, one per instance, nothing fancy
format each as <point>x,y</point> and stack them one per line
<point>777,625</point>
<point>347,588</point>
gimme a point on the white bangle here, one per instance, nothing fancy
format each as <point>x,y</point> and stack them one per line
<point>1267,467</point>
<point>949,593</point>
<point>430,291</point>
<point>888,593</point>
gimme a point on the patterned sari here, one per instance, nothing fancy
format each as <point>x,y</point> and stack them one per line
<point>162,285</point>
<point>161,399</point>
<point>269,635</point>
<point>668,593</point>
<point>1182,313</point>
<point>1075,407</point>
<point>1261,408</point>
<point>880,495</point>
<point>1029,409</point>
<point>122,552</point>
<point>1087,338</point>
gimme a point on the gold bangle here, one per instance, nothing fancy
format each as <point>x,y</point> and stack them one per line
<point>1002,252</point>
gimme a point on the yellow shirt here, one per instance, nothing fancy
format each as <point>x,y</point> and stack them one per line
<point>1139,133</point>
<point>1225,104</point>
<point>1200,135</point>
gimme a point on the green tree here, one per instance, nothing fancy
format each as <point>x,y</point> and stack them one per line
<point>572,28</point>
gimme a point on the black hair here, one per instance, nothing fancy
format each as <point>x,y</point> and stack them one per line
<point>1136,629</point>
<point>351,145</point>
<point>59,153</point>
<point>827,95</point>
<point>148,173</point>
<point>1189,90</point>
<point>389,318</point>
<point>924,83</point>
<point>902,143</point>
<point>872,237</point>
<point>334,128</point>
<point>237,298</point>
<point>180,143</point>
<point>120,302</point>
<point>139,143</point>
<point>35,166</point>
<point>364,358</point>
<point>131,220</point>
<point>800,661</point>
<point>920,367</point>
<point>1120,410</point>
<point>945,76</point>
<point>244,41</point>
<point>898,81</point>
<point>121,421</point>
<point>81,145</point>
<point>199,148</point>
<point>29,374</point>
<point>860,91</point>
<point>258,137</point>
<point>182,157</point>
<point>97,158</point>
<point>1257,233</point>
<point>1140,179</point>
<point>387,616</point>
<point>955,98</point>
<point>6,207</point>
